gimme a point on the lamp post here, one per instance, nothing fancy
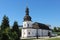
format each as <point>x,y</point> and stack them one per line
<point>37,34</point>
<point>42,32</point>
<point>37,31</point>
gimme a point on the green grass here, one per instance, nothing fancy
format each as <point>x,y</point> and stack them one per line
<point>29,39</point>
<point>44,39</point>
<point>54,39</point>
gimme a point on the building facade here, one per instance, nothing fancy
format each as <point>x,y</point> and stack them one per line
<point>31,29</point>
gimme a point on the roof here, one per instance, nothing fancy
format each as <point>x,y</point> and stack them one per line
<point>40,26</point>
<point>27,17</point>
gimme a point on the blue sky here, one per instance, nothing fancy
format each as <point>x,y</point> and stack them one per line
<point>43,11</point>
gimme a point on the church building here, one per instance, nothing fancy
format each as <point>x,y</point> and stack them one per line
<point>33,29</point>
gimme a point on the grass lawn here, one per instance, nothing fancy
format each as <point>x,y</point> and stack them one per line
<point>44,39</point>
<point>29,39</point>
<point>54,39</point>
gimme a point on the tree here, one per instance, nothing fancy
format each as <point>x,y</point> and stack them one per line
<point>5,34</point>
<point>5,22</point>
<point>58,29</point>
<point>5,28</point>
<point>4,37</point>
<point>16,28</point>
<point>55,29</point>
<point>0,34</point>
<point>13,35</point>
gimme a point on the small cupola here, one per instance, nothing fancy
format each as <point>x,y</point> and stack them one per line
<point>27,17</point>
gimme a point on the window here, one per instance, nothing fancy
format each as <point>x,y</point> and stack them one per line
<point>24,33</point>
<point>24,24</point>
<point>28,25</point>
<point>29,33</point>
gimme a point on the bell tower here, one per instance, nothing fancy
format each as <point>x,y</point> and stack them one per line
<point>27,23</point>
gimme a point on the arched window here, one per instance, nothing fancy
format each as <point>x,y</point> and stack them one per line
<point>29,33</point>
<point>28,25</point>
<point>24,33</point>
<point>24,24</point>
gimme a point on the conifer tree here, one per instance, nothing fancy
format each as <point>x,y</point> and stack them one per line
<point>4,37</point>
<point>5,22</point>
<point>16,28</point>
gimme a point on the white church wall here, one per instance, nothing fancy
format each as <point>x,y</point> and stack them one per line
<point>42,32</point>
<point>39,32</point>
<point>24,24</point>
<point>24,33</point>
<point>27,24</point>
<point>32,32</point>
<point>45,32</point>
<point>28,32</point>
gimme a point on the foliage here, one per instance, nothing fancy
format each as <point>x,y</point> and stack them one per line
<point>0,34</point>
<point>5,36</point>
<point>58,33</point>
<point>16,28</point>
<point>13,36</point>
<point>5,22</point>
<point>55,29</point>
<point>6,33</point>
<point>20,32</point>
<point>58,29</point>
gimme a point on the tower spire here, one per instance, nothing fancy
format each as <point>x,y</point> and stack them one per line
<point>27,17</point>
<point>27,9</point>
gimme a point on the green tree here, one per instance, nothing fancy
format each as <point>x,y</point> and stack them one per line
<point>5,28</point>
<point>4,37</point>
<point>58,29</point>
<point>13,35</point>
<point>0,34</point>
<point>16,28</point>
<point>55,29</point>
<point>5,34</point>
<point>5,22</point>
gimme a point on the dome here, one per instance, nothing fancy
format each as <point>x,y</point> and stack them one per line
<point>27,18</point>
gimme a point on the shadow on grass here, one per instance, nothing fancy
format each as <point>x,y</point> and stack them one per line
<point>54,39</point>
